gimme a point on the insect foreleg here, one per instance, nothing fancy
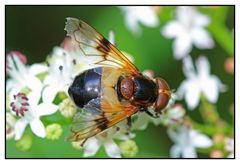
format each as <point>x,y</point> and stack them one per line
<point>155,115</point>
<point>129,122</point>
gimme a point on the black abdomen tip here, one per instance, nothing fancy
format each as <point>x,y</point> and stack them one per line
<point>85,87</point>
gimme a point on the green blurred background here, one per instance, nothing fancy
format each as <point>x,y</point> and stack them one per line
<point>35,30</point>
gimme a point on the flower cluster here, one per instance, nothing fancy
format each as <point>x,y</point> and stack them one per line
<point>42,89</point>
<point>188,28</point>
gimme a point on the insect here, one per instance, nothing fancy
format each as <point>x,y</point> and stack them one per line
<point>113,90</point>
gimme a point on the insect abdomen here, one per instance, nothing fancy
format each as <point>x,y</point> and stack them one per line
<point>86,86</point>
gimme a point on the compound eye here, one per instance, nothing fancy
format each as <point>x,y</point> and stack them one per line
<point>164,94</point>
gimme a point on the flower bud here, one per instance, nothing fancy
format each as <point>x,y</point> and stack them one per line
<point>216,154</point>
<point>25,143</point>
<point>128,148</point>
<point>229,65</point>
<point>53,131</point>
<point>67,108</point>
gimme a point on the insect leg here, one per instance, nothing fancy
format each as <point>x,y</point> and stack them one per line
<point>83,142</point>
<point>156,115</point>
<point>129,122</point>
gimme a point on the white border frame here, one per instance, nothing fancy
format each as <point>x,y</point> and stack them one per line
<point>129,2</point>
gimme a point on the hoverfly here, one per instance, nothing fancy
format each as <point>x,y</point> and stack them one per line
<point>113,90</point>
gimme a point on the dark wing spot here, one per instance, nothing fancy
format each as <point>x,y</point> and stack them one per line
<point>105,42</point>
<point>104,46</point>
<point>74,61</point>
<point>103,123</point>
<point>60,67</point>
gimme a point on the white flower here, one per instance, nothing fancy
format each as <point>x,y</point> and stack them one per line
<point>186,141</point>
<point>139,14</point>
<point>23,76</point>
<point>59,75</point>
<point>229,146</point>
<point>106,139</point>
<point>173,115</point>
<point>30,112</point>
<point>188,29</point>
<point>199,81</point>
<point>93,144</point>
<point>142,121</point>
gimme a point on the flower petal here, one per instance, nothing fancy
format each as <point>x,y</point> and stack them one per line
<point>49,93</point>
<point>20,127</point>
<point>188,68</point>
<point>91,147</point>
<point>38,127</point>
<point>134,15</point>
<point>185,14</point>
<point>172,29</point>
<point>189,152</point>
<point>201,19</point>
<point>46,109</point>
<point>210,89</point>
<point>176,112</point>
<point>155,121</point>
<point>201,38</point>
<point>175,151</point>
<point>112,149</point>
<point>146,16</point>
<point>132,24</point>
<point>173,135</point>
<point>192,95</point>
<point>203,66</point>
<point>10,84</point>
<point>182,89</point>
<point>221,87</point>
<point>34,97</point>
<point>142,122</point>
<point>182,45</point>
<point>208,84</point>
<point>37,68</point>
<point>33,83</point>
<point>200,140</point>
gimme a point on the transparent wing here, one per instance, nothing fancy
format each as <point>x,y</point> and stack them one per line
<point>92,120</point>
<point>94,45</point>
